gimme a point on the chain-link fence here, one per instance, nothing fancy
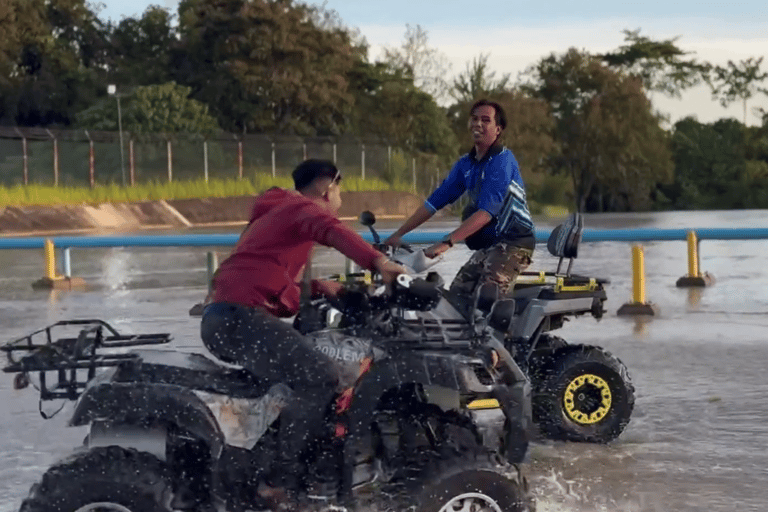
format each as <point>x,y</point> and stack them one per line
<point>89,158</point>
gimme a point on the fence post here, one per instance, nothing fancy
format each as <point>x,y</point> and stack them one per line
<point>25,158</point>
<point>334,153</point>
<point>91,161</point>
<point>170,162</point>
<point>240,159</point>
<point>273,159</point>
<point>362,158</point>
<point>131,163</point>
<point>205,160</point>
<point>638,305</point>
<point>304,148</point>
<point>694,277</point>
<point>55,158</point>
<point>413,170</point>
<point>55,162</point>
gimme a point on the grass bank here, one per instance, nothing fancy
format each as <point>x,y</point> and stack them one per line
<point>48,195</point>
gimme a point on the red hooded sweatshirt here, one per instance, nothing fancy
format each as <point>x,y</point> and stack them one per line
<point>266,266</point>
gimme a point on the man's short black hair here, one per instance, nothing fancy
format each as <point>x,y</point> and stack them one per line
<point>308,170</point>
<point>501,116</point>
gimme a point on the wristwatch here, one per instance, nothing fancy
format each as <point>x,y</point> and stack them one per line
<point>447,240</point>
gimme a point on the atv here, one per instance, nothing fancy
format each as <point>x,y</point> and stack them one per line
<point>580,392</point>
<point>181,431</point>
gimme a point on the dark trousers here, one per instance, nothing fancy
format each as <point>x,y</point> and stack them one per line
<point>273,350</point>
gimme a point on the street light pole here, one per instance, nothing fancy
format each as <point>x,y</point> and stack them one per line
<point>112,89</point>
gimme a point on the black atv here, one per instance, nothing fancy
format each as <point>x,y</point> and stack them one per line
<point>580,392</point>
<point>176,431</point>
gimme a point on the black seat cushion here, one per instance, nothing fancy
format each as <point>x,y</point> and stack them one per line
<point>564,240</point>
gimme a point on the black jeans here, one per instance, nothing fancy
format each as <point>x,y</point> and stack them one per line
<point>273,350</point>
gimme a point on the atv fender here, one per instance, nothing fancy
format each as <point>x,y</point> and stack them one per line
<point>429,370</point>
<point>149,405</point>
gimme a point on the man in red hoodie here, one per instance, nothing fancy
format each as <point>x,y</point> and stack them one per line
<point>261,281</point>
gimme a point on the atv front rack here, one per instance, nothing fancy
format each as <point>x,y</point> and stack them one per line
<point>40,352</point>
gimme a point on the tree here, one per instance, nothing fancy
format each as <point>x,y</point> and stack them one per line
<point>391,107</point>
<point>150,109</point>
<point>477,81</point>
<point>611,144</point>
<point>141,48</point>
<point>426,65</point>
<point>56,55</point>
<point>738,81</point>
<point>710,165</point>
<point>661,65</point>
<point>263,65</point>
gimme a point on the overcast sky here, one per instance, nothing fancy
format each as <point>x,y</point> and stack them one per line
<point>517,34</point>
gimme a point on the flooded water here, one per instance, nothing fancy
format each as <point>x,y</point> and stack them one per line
<point>698,435</point>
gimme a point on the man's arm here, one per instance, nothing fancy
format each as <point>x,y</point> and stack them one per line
<point>449,190</point>
<point>419,217</point>
<point>469,227</point>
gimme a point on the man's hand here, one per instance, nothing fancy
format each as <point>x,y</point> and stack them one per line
<point>436,250</point>
<point>393,241</point>
<point>389,270</point>
<point>329,289</point>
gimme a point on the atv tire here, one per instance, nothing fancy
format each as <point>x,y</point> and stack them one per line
<point>475,489</point>
<point>461,476</point>
<point>582,393</point>
<point>110,479</point>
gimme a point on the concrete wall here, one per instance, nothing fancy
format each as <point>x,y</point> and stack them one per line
<point>180,213</point>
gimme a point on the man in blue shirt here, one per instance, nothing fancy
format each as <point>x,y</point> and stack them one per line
<point>496,224</point>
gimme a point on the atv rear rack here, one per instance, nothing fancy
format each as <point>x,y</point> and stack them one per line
<point>40,352</point>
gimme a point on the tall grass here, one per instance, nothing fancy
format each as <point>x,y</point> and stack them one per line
<point>48,195</point>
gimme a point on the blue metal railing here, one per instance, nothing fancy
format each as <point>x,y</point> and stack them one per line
<point>418,237</point>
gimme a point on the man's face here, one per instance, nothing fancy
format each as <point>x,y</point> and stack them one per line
<point>482,124</point>
<point>334,195</point>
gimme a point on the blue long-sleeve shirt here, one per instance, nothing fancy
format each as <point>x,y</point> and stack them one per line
<point>486,181</point>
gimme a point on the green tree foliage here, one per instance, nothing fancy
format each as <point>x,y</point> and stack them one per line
<point>151,109</point>
<point>478,81</point>
<point>738,81</point>
<point>141,48</point>
<point>264,65</point>
<point>610,142</point>
<point>661,65</point>
<point>718,166</point>
<point>388,105</point>
<point>55,52</point>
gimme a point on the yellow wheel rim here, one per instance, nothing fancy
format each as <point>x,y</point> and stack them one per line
<point>587,399</point>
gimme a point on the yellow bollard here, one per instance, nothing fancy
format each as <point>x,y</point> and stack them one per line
<point>50,259</point>
<point>694,276</point>
<point>693,254</point>
<point>638,305</point>
<point>51,280</point>
<point>638,275</point>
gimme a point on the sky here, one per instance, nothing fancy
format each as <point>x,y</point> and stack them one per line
<point>517,34</point>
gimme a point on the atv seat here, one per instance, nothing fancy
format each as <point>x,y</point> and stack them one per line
<point>564,240</point>
<point>192,371</point>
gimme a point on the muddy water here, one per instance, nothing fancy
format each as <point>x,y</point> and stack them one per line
<point>698,435</point>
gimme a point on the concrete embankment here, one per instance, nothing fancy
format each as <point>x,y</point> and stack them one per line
<point>176,214</point>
